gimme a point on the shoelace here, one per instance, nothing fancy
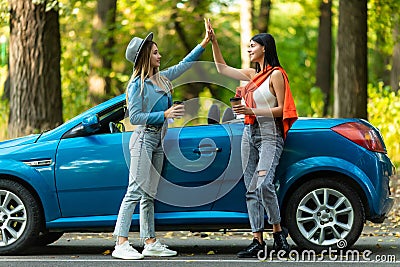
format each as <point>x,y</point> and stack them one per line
<point>158,244</point>
<point>129,248</point>
<point>162,245</point>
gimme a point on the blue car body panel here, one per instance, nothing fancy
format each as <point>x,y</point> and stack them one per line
<point>19,141</point>
<point>91,175</point>
<point>86,177</point>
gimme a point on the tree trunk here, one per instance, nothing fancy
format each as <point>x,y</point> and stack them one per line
<point>103,43</point>
<point>245,31</point>
<point>263,17</point>
<point>35,80</point>
<point>350,83</point>
<point>395,72</point>
<point>324,54</point>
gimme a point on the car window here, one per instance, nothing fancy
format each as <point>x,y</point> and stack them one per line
<point>201,111</point>
<point>112,119</point>
<point>198,111</point>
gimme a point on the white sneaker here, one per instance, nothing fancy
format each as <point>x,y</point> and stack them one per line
<point>126,252</point>
<point>157,249</point>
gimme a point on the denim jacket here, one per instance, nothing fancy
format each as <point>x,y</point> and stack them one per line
<point>148,107</point>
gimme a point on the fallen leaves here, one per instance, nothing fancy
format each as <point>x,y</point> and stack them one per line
<point>107,252</point>
<point>391,225</point>
<point>169,235</point>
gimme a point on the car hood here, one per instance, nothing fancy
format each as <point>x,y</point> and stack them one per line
<point>19,141</point>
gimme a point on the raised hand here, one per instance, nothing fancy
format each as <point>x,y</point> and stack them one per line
<point>209,30</point>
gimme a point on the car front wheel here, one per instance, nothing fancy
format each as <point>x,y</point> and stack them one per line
<point>19,217</point>
<point>324,213</point>
<point>47,238</point>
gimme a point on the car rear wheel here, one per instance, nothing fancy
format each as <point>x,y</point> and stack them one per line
<point>324,213</point>
<point>19,217</point>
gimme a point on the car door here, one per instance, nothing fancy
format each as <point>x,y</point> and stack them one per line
<point>195,161</point>
<point>231,196</point>
<point>91,171</point>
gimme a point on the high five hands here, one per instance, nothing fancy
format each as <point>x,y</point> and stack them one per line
<point>209,30</point>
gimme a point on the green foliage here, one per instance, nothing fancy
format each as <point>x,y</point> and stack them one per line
<point>294,24</point>
<point>382,17</point>
<point>384,113</point>
<point>317,102</point>
<point>3,105</point>
<point>4,30</point>
<point>4,33</point>
<point>4,14</point>
<point>75,46</point>
<point>133,19</point>
<point>296,35</point>
<point>381,21</point>
<point>53,4</point>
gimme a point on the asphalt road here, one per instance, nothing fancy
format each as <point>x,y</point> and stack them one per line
<point>210,249</point>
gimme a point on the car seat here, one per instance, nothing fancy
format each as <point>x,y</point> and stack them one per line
<point>213,114</point>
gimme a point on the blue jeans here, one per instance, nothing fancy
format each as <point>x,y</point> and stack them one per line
<point>144,174</point>
<point>262,146</point>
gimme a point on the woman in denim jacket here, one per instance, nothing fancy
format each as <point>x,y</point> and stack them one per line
<point>150,105</point>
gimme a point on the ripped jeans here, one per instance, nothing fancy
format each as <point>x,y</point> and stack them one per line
<point>262,146</point>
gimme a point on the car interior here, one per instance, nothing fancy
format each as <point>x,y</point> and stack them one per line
<point>116,120</point>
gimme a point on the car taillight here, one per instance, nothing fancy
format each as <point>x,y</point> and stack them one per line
<point>362,135</point>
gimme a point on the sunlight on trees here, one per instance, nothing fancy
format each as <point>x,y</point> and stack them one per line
<point>178,25</point>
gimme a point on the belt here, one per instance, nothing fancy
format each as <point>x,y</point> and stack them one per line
<point>260,119</point>
<point>153,128</point>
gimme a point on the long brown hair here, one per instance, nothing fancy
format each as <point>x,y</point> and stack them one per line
<point>143,69</point>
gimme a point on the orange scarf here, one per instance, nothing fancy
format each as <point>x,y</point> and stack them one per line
<point>289,108</point>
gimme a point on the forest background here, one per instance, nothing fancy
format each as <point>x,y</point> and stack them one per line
<point>312,38</point>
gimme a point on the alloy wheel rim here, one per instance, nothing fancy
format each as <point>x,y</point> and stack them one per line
<point>13,218</point>
<point>325,216</point>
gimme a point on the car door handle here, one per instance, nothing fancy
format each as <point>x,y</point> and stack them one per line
<point>207,150</point>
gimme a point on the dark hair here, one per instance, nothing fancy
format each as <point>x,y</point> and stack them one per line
<point>270,55</point>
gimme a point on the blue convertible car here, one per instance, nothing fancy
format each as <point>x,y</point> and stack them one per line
<point>333,176</point>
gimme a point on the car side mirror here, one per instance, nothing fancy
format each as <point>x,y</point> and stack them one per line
<point>91,123</point>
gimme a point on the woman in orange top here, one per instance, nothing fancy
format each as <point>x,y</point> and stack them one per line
<point>262,142</point>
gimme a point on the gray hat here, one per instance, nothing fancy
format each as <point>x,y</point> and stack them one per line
<point>135,46</point>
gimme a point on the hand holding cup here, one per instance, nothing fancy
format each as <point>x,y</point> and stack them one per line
<point>235,101</point>
<point>237,106</point>
<point>179,109</point>
<point>176,111</point>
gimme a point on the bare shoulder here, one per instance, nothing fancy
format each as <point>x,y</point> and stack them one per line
<point>277,75</point>
<point>277,81</point>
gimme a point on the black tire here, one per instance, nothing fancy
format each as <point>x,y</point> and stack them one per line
<point>47,238</point>
<point>22,228</point>
<point>335,223</point>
